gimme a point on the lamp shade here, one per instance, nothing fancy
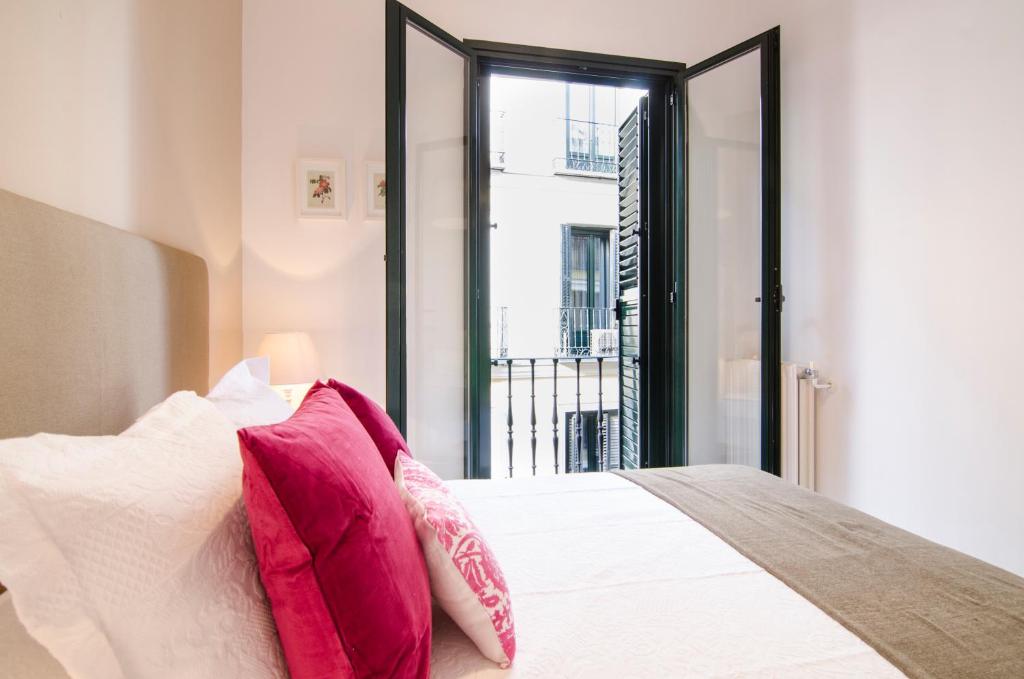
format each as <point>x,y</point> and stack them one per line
<point>292,357</point>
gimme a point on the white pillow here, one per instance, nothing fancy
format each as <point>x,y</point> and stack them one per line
<point>130,555</point>
<point>246,399</point>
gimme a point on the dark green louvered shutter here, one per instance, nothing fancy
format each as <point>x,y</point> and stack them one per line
<point>631,139</point>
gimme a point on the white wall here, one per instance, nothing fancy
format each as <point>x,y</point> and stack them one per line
<point>128,112</point>
<point>902,231</point>
<point>313,85</point>
<point>905,266</point>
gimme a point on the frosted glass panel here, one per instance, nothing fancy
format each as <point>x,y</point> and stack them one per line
<point>724,264</point>
<point>435,253</point>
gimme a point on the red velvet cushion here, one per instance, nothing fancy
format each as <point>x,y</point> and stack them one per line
<point>337,551</point>
<point>376,422</point>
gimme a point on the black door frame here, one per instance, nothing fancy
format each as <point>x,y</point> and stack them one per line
<point>484,58</point>
<point>664,293</point>
<point>658,363</point>
<point>771,237</point>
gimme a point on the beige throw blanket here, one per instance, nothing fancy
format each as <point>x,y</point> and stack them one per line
<point>929,610</point>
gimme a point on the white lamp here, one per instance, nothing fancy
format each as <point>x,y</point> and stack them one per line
<point>293,362</point>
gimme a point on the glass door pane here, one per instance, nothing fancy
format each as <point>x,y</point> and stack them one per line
<point>435,252</point>
<point>725,225</point>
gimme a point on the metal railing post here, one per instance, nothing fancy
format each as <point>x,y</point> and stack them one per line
<point>509,418</point>
<point>579,420</point>
<point>554,412</point>
<point>601,435</point>
<point>533,418</point>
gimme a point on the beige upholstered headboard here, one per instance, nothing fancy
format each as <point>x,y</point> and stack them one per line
<point>96,324</point>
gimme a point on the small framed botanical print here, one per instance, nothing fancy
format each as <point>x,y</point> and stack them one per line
<point>320,187</point>
<point>376,190</point>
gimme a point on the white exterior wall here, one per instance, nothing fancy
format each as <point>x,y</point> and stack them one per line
<point>530,201</point>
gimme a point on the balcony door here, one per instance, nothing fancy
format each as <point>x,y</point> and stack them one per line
<point>432,300</point>
<point>732,256</point>
<point>438,235</point>
<point>699,328</point>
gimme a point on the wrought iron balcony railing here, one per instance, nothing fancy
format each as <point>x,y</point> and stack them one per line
<point>601,166</point>
<point>590,147</point>
<point>574,401</point>
<point>587,331</point>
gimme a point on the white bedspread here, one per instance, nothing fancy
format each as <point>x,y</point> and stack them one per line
<point>609,581</point>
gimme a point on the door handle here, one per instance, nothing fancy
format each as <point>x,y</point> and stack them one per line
<point>777,296</point>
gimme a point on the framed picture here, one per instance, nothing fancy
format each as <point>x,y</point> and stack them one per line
<point>376,190</point>
<point>320,187</point>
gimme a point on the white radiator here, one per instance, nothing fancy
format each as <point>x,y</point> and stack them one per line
<point>799,386</point>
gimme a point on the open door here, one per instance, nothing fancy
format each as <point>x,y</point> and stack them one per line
<point>700,285</point>
<point>732,255</point>
<point>432,297</point>
<point>630,255</point>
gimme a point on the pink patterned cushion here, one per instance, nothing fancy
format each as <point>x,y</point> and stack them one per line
<point>465,578</point>
<point>337,552</point>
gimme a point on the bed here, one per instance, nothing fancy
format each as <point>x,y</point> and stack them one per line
<point>696,572</point>
<point>589,603</point>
